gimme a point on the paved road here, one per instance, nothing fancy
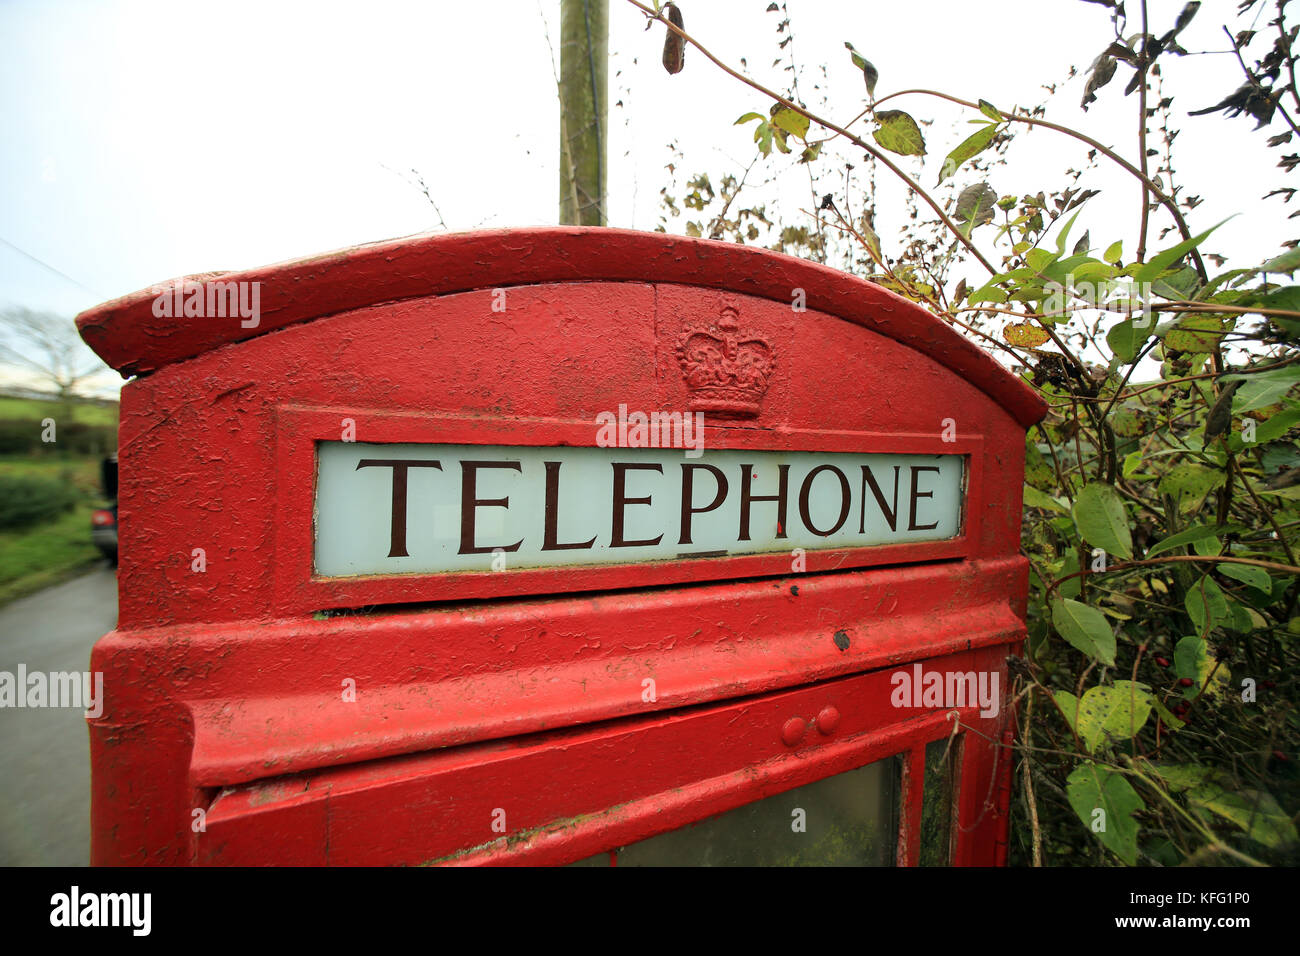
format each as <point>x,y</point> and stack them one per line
<point>45,753</point>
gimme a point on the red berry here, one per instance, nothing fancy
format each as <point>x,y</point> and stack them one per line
<point>1162,661</point>
<point>1184,682</point>
<point>1279,755</point>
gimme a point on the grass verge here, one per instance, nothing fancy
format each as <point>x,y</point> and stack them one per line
<point>35,558</point>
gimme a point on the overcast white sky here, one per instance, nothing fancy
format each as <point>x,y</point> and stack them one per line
<point>147,140</point>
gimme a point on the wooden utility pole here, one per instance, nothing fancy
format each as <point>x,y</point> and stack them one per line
<point>584,111</point>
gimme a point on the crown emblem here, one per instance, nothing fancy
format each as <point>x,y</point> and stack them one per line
<point>727,374</point>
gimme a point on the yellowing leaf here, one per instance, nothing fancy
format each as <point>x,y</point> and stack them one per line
<point>973,145</point>
<point>1116,712</point>
<point>791,122</point>
<point>899,133</point>
<point>1254,811</point>
<point>1024,335</point>
<point>1196,333</point>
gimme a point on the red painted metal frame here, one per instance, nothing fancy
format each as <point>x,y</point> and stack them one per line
<point>663,779</point>
<point>223,687</point>
<point>246,721</point>
<point>300,589</point>
<point>913,794</point>
<point>228,708</point>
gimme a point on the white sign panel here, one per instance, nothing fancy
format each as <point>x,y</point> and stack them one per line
<point>395,509</point>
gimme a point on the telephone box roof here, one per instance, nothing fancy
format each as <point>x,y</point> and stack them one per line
<point>128,335</point>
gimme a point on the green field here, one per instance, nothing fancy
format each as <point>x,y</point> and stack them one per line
<point>82,472</point>
<point>35,557</point>
<point>35,409</point>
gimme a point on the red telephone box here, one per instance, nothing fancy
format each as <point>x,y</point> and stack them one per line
<point>556,546</point>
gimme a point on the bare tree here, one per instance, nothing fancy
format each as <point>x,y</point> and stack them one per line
<point>48,345</point>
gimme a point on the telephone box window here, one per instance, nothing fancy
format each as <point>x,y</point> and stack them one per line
<point>850,819</point>
<point>941,761</point>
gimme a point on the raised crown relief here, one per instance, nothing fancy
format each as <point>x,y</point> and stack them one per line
<point>727,374</point>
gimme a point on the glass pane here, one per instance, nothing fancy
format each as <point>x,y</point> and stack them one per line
<point>850,819</point>
<point>604,858</point>
<point>936,801</point>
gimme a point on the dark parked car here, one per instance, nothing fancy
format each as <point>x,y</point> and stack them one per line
<point>103,523</point>
<point>103,532</point>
